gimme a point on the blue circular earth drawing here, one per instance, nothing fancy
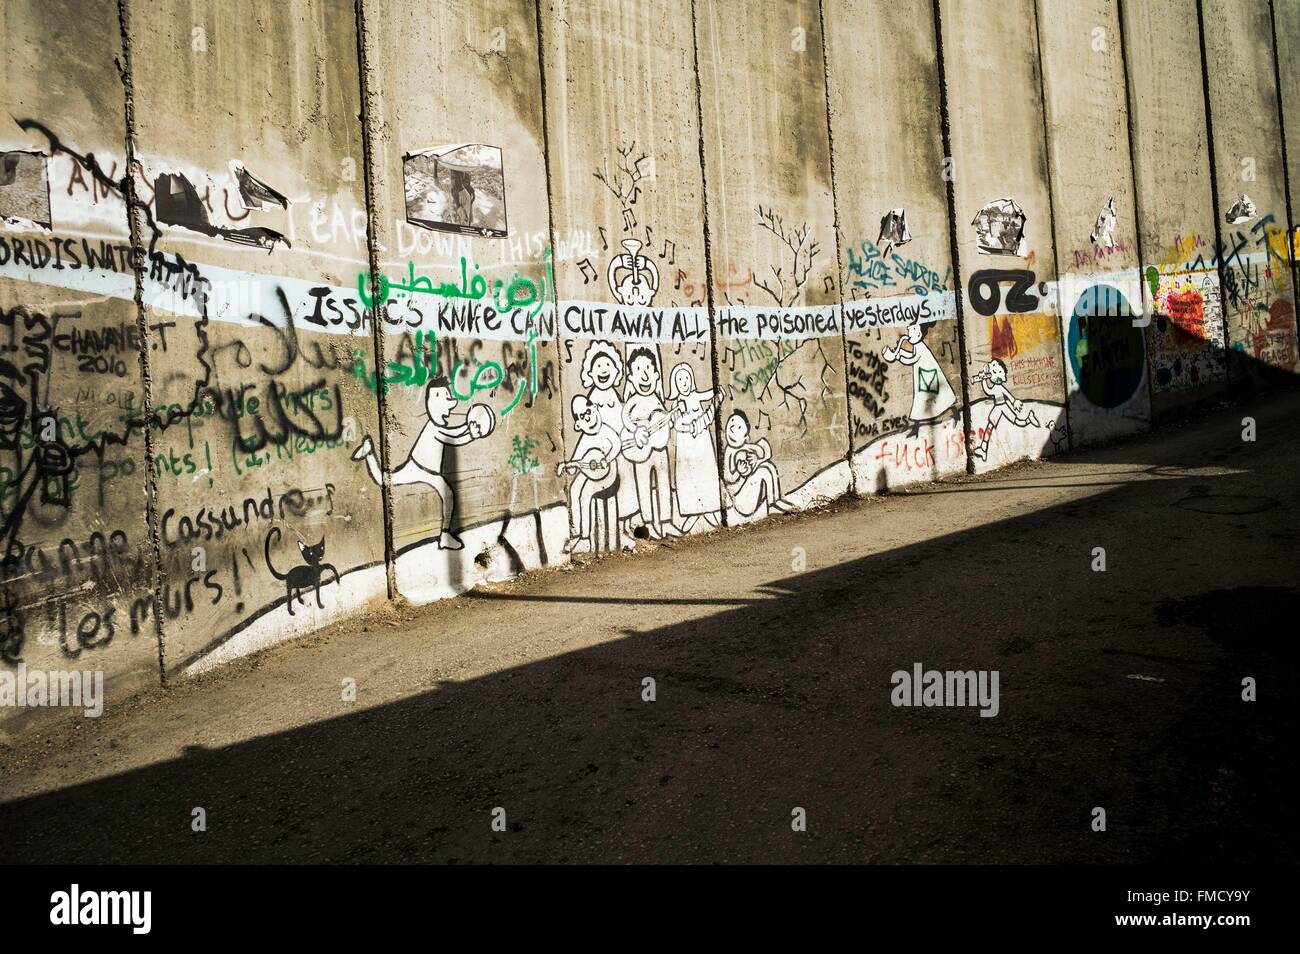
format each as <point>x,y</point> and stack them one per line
<point>1107,352</point>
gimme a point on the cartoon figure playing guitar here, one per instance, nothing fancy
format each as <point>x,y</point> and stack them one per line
<point>592,468</point>
<point>647,426</point>
<point>602,373</point>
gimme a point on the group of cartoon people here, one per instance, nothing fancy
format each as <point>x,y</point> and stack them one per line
<point>626,424</point>
<point>622,452</point>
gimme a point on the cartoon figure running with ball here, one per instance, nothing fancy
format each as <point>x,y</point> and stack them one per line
<point>424,463</point>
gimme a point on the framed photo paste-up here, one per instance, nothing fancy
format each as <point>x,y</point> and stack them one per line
<point>460,188</point>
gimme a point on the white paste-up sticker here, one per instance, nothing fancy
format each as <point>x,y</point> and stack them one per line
<point>1103,233</point>
<point>893,229</point>
<point>1000,228</point>
<point>1243,210</point>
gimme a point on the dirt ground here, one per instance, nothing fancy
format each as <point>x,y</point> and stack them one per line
<point>1119,690</point>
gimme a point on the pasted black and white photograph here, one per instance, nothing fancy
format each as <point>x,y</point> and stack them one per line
<point>643,433</point>
<point>456,189</point>
<point>24,190</point>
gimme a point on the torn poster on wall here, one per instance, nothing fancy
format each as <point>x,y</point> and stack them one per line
<point>24,190</point>
<point>1243,210</point>
<point>1000,228</point>
<point>177,202</point>
<point>459,188</point>
<point>253,192</point>
<point>893,230</point>
<point>1103,233</point>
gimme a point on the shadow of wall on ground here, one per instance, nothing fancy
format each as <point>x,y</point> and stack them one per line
<point>784,702</point>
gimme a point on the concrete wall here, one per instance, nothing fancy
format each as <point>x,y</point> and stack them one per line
<point>465,73</point>
<point>257,413</point>
<point>1286,38</point>
<point>1008,277</point>
<point>78,562</point>
<point>1176,220</point>
<point>402,297</point>
<point>905,398</point>
<point>633,316</point>
<point>1258,290</point>
<point>1091,170</point>
<point>771,220</point>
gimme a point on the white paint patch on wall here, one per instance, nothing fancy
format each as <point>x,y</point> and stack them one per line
<point>357,591</point>
<point>426,573</point>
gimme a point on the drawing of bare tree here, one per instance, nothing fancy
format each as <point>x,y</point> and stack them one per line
<point>625,181</point>
<point>803,249</point>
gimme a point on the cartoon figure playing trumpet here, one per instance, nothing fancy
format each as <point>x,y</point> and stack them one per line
<point>633,278</point>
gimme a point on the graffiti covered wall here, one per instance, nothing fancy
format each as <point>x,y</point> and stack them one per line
<point>641,456</point>
<point>1099,289</point>
<point>771,216</point>
<point>339,303</point>
<point>1174,203</point>
<point>1003,220</point>
<point>900,311</point>
<point>470,374</point>
<point>79,565</point>
<point>1251,205</point>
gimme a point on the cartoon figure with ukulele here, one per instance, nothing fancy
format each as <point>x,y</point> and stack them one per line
<point>592,468</point>
<point>751,478</point>
<point>646,428</point>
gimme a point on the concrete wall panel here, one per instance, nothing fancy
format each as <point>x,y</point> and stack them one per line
<point>772,217</point>
<point>1091,167</point>
<point>253,456</point>
<point>1286,23</point>
<point>76,561</point>
<point>634,323</point>
<point>465,73</point>
<point>905,398</point>
<point>1175,202</point>
<point>1013,339</point>
<point>1258,295</point>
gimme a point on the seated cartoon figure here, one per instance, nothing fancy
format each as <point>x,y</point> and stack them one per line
<point>592,465</point>
<point>748,473</point>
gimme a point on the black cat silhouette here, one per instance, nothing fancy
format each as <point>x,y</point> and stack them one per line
<point>300,578</point>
